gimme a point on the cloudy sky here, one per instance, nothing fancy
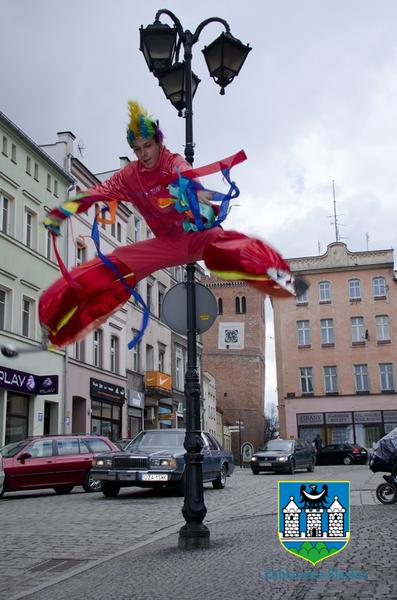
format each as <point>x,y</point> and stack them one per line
<point>315,102</point>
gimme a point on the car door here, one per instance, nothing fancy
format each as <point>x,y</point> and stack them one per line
<point>299,454</point>
<point>71,465</point>
<point>36,471</point>
<point>212,457</point>
<point>328,455</point>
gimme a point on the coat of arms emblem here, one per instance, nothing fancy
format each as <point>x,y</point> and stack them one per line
<point>314,518</point>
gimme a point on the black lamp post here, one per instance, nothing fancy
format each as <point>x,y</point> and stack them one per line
<point>160,45</point>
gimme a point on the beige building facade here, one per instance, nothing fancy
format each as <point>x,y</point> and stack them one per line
<point>336,348</point>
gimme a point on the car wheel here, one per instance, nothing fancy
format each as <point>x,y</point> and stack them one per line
<point>291,469</point>
<point>109,489</point>
<point>347,460</point>
<point>255,472</point>
<point>63,489</point>
<point>220,482</point>
<point>310,467</point>
<point>90,484</point>
<point>386,493</point>
<point>3,488</point>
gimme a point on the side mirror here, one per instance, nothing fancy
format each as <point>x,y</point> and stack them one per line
<point>24,456</point>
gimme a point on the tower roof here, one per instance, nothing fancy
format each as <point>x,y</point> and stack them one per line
<point>336,506</point>
<point>291,507</point>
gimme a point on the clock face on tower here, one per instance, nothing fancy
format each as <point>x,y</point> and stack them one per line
<point>231,335</point>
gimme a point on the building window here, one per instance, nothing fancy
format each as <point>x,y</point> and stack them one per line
<point>14,153</point>
<point>303,333</point>
<point>361,378</point>
<point>30,229</point>
<point>149,358</point>
<point>331,380</point>
<point>382,328</point>
<point>178,273</point>
<point>4,214</point>
<point>27,317</point>
<point>137,229</point>
<point>357,328</point>
<point>149,294</point>
<point>119,232</point>
<point>136,353</point>
<point>28,165</point>
<point>49,182</point>
<point>160,297</point>
<point>162,349</point>
<point>241,305</point>
<point>306,378</point>
<point>81,254</point>
<point>386,377</point>
<point>354,289</point>
<point>55,188</point>
<point>327,331</point>
<point>113,229</point>
<point>79,351</point>
<point>324,291</point>
<point>5,309</point>
<point>48,244</point>
<point>36,172</point>
<point>303,298</point>
<point>220,306</point>
<point>5,146</point>
<point>114,354</point>
<point>379,287</point>
<point>179,371</point>
<point>97,348</point>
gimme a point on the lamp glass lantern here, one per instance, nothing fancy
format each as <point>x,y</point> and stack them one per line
<point>157,43</point>
<point>174,86</point>
<point>224,57</point>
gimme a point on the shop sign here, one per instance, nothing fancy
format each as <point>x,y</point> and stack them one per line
<point>136,398</point>
<point>27,383</point>
<point>390,416</point>
<point>311,419</point>
<point>157,379</point>
<point>338,418</point>
<point>103,390</point>
<point>369,416</point>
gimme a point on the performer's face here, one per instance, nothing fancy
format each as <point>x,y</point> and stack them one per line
<point>147,151</point>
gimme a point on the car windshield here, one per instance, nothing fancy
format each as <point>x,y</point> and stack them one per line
<point>279,445</point>
<point>157,439</point>
<point>12,449</point>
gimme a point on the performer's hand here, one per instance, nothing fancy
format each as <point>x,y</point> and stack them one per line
<point>53,224</point>
<point>205,196</point>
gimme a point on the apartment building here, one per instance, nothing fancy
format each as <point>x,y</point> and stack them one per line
<point>336,348</point>
<point>234,354</point>
<point>32,388</point>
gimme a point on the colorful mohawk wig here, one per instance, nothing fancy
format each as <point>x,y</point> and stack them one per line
<point>141,125</point>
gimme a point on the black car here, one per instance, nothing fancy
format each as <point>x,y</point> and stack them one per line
<point>155,458</point>
<point>345,453</point>
<point>284,455</point>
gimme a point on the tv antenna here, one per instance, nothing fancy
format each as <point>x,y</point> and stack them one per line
<point>80,148</point>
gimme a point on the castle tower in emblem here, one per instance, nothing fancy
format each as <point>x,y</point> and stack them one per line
<point>291,519</point>
<point>335,519</point>
<point>313,522</point>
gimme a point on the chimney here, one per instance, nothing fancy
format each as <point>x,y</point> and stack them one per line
<point>124,161</point>
<point>67,138</point>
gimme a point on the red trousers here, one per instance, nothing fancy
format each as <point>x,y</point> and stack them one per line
<point>69,309</point>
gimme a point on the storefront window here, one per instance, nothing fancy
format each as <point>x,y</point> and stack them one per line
<point>106,419</point>
<point>17,417</point>
<point>366,435</point>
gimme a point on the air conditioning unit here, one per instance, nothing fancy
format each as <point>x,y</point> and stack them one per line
<point>150,414</point>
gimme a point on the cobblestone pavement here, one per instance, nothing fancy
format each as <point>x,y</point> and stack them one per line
<point>126,547</point>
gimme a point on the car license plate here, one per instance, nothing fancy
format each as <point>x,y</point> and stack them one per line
<point>155,477</point>
<point>265,464</point>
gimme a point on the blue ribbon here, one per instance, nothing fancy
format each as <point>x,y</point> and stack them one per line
<point>132,291</point>
<point>186,191</point>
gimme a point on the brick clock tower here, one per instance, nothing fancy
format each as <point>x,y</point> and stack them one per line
<point>234,353</point>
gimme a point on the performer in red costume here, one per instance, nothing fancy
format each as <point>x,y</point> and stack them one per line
<point>91,292</point>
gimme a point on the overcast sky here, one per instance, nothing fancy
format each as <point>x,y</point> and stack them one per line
<point>315,102</point>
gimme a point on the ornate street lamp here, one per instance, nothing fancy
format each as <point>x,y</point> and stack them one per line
<point>225,57</point>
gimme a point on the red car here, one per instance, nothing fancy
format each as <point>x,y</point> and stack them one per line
<point>58,461</point>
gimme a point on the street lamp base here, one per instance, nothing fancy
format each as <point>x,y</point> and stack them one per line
<point>193,535</point>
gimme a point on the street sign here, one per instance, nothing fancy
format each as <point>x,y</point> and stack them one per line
<point>174,308</point>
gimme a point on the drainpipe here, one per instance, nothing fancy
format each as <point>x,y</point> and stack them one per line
<point>65,390</point>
